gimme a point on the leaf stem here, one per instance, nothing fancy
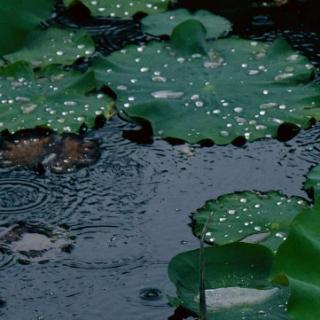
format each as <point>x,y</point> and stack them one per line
<point>202,289</point>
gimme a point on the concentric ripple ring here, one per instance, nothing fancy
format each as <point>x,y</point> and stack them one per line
<point>19,195</point>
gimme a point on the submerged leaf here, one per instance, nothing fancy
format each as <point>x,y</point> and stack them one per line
<point>248,216</point>
<point>18,18</point>
<point>54,46</point>
<point>60,100</point>
<point>124,8</point>
<point>164,23</point>
<point>236,283</point>
<point>222,90</point>
<point>40,149</point>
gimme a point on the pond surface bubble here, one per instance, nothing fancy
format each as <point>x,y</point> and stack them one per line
<point>150,294</point>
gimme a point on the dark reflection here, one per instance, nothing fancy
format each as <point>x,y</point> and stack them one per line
<point>2,303</point>
<point>143,135</point>
<point>287,131</point>
<point>180,314</point>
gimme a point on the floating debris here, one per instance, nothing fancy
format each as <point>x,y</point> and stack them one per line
<point>42,149</point>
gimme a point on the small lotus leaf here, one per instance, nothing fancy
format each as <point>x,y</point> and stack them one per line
<point>164,23</point>
<point>54,46</point>
<point>248,216</point>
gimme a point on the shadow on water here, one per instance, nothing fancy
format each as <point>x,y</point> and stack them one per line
<point>129,214</point>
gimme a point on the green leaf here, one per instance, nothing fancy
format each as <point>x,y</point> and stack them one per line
<point>239,88</point>
<point>53,97</point>
<point>164,23</point>
<point>236,283</point>
<point>248,216</point>
<point>296,263</point>
<point>54,46</point>
<point>193,44</point>
<point>18,18</point>
<point>313,179</point>
<point>124,8</point>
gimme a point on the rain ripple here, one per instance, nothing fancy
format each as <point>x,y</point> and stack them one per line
<point>25,197</point>
<point>105,247</point>
<point>20,196</point>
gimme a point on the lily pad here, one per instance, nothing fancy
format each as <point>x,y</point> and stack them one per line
<point>164,23</point>
<point>248,216</point>
<point>296,264</point>
<point>54,46</point>
<point>60,100</point>
<point>124,8</point>
<point>313,179</point>
<point>236,283</point>
<point>194,90</point>
<point>18,18</point>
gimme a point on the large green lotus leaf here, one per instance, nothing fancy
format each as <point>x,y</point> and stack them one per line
<point>194,90</point>
<point>164,23</point>
<point>54,46</point>
<point>54,98</point>
<point>248,216</point>
<point>236,283</point>
<point>124,8</point>
<point>18,18</point>
<point>297,263</point>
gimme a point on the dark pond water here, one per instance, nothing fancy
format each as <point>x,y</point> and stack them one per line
<point>129,214</point>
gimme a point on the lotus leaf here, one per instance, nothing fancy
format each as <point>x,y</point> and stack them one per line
<point>194,90</point>
<point>61,100</point>
<point>124,8</point>
<point>248,216</point>
<point>18,18</point>
<point>54,46</point>
<point>236,283</point>
<point>164,23</point>
<point>313,179</point>
<point>296,264</point>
